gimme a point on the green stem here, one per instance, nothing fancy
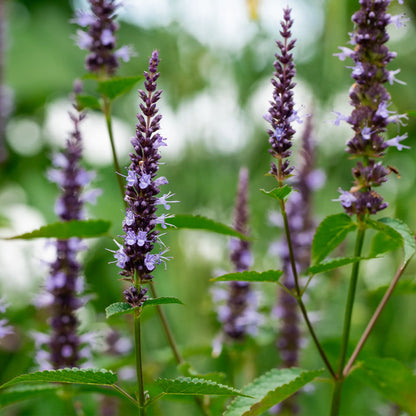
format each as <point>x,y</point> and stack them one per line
<point>107,114</point>
<point>168,332</point>
<point>299,295</point>
<point>336,394</point>
<point>139,367</point>
<point>374,319</point>
<point>124,393</point>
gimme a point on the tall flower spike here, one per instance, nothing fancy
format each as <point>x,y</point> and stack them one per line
<point>135,257</point>
<point>100,38</point>
<point>64,282</point>
<point>281,113</point>
<point>370,99</point>
<point>298,210</point>
<point>240,316</point>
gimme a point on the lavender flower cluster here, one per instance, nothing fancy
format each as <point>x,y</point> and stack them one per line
<point>135,257</point>
<point>370,99</point>
<point>64,283</point>
<point>281,113</point>
<point>100,38</point>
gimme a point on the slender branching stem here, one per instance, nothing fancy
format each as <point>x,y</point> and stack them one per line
<point>107,114</point>
<point>139,367</point>
<point>374,318</point>
<point>124,393</point>
<point>298,292</point>
<point>166,328</point>
<point>336,394</point>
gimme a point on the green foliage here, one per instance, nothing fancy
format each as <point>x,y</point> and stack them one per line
<point>66,375</point>
<point>187,370</point>
<point>392,234</point>
<point>279,193</point>
<point>270,389</point>
<point>88,101</point>
<point>25,392</point>
<point>392,379</point>
<point>122,308</point>
<point>117,86</point>
<point>272,276</point>
<point>68,229</point>
<point>195,386</point>
<point>330,233</point>
<point>329,265</point>
<point>198,222</point>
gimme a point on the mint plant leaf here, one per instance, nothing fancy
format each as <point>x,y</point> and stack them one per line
<point>250,276</point>
<point>66,375</point>
<point>198,222</point>
<point>330,233</point>
<point>68,229</point>
<point>279,193</point>
<point>117,86</point>
<point>269,389</point>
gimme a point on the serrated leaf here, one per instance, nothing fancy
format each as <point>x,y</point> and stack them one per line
<point>250,276</point>
<point>122,308</point>
<point>406,233</point>
<point>66,375</point>
<point>116,86</point>
<point>87,101</point>
<point>25,392</point>
<point>68,229</point>
<point>328,265</point>
<point>278,193</point>
<point>330,233</point>
<point>269,389</point>
<point>163,300</point>
<point>195,386</point>
<point>392,379</point>
<point>117,309</point>
<point>198,222</point>
<point>382,243</point>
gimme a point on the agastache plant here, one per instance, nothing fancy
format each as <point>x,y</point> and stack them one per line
<point>64,283</point>
<point>299,209</point>
<point>100,37</point>
<point>239,316</point>
<point>369,120</point>
<point>5,328</point>
<point>370,99</point>
<point>135,256</point>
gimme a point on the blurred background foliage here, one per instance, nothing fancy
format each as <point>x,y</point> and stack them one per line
<point>216,62</point>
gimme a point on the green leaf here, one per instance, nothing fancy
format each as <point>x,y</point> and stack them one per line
<point>68,229</point>
<point>163,300</point>
<point>328,265</point>
<point>66,375</point>
<point>117,309</point>
<point>412,113</point>
<point>406,233</point>
<point>279,193</point>
<point>116,86</point>
<point>403,287</point>
<point>249,276</point>
<point>269,389</point>
<point>382,243</point>
<point>392,379</point>
<point>195,386</point>
<point>197,222</point>
<point>25,392</point>
<point>330,233</point>
<point>87,101</point>
<point>122,308</point>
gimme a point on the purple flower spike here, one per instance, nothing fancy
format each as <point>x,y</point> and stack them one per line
<point>100,37</point>
<point>5,329</point>
<point>142,188</point>
<point>64,281</point>
<point>370,99</point>
<point>281,112</point>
